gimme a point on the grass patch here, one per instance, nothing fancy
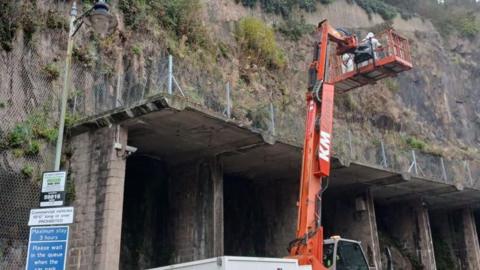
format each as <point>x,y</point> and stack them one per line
<point>51,71</point>
<point>26,137</point>
<point>295,29</point>
<point>137,49</point>
<point>258,42</point>
<point>392,85</point>
<point>416,143</point>
<point>83,56</point>
<point>19,136</point>
<point>347,102</point>
<point>71,119</point>
<point>466,25</point>
<point>33,148</point>
<point>56,21</point>
<point>27,171</point>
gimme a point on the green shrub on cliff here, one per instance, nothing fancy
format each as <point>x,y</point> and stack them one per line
<point>284,7</point>
<point>294,29</point>
<point>466,25</point>
<point>385,10</point>
<point>178,17</point>
<point>258,42</point>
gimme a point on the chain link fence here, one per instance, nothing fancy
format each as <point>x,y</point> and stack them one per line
<point>29,88</point>
<point>210,90</point>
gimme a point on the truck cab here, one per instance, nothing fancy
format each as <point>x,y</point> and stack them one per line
<point>343,254</point>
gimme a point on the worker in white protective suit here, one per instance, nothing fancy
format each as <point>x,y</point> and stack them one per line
<point>347,62</point>
<point>372,42</point>
<point>375,43</point>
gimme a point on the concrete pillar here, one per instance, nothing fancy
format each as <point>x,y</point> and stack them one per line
<point>409,224</point>
<point>425,241</point>
<point>98,174</point>
<point>216,170</point>
<point>354,217</point>
<point>456,239</point>
<point>472,248</point>
<point>371,240</point>
<point>196,198</point>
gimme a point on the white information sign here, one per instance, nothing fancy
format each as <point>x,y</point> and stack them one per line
<point>53,189</point>
<point>51,216</point>
<point>53,181</point>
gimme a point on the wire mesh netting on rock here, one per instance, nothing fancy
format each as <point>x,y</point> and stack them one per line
<point>29,86</point>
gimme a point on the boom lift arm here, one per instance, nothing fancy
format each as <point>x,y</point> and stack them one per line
<point>307,248</point>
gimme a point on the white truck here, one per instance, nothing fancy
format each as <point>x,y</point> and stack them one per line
<point>238,263</point>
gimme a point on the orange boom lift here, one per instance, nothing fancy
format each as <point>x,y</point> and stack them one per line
<point>326,73</point>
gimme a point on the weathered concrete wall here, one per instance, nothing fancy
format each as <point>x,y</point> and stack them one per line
<point>455,239</point>
<point>408,224</point>
<point>171,214</point>
<point>472,248</point>
<point>353,217</point>
<point>279,203</point>
<point>197,212</point>
<point>98,171</point>
<point>260,216</point>
<point>146,227</point>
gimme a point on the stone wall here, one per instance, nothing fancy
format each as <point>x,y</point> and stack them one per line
<point>97,170</point>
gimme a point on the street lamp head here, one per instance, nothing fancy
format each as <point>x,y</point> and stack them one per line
<point>100,19</point>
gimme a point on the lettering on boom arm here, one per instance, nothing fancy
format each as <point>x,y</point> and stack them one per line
<point>326,128</point>
<point>324,149</point>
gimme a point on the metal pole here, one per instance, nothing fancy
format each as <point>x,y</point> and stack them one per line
<point>414,163</point>
<point>469,172</point>
<point>350,143</point>
<point>444,171</point>
<point>229,102</point>
<point>384,155</point>
<point>272,115</point>
<point>170,74</point>
<point>66,86</point>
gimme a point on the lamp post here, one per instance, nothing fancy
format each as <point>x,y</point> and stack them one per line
<point>102,22</point>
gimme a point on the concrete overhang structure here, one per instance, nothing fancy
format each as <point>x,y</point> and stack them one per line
<point>174,129</point>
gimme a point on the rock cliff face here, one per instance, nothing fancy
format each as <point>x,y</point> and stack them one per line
<point>437,102</point>
<point>435,107</point>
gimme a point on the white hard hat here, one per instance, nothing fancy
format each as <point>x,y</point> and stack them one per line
<point>370,35</point>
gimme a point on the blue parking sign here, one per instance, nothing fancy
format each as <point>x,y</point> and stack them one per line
<point>47,248</point>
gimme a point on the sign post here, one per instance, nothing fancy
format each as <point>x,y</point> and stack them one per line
<point>47,248</point>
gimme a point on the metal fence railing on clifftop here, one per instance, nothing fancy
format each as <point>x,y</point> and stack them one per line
<point>167,76</point>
